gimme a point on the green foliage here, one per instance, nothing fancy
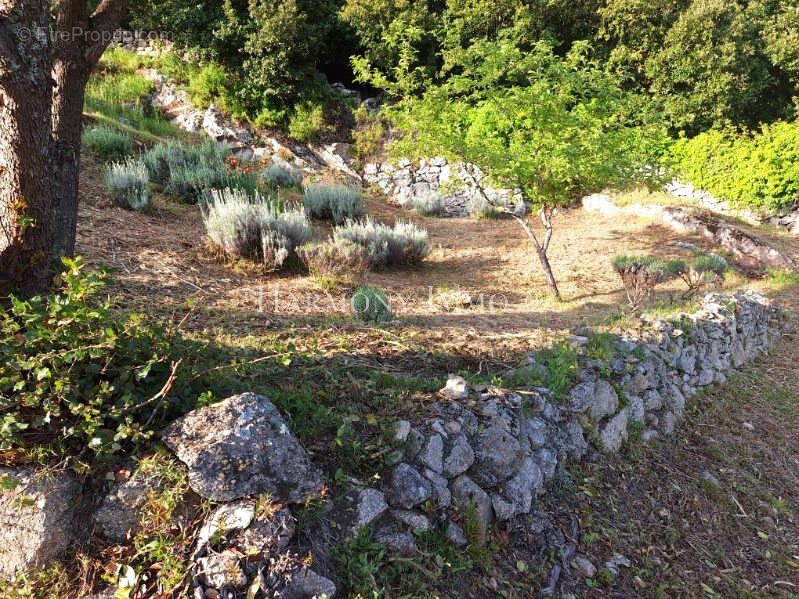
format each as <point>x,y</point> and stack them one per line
<point>337,203</point>
<point>307,123</point>
<point>107,143</point>
<point>561,366</point>
<point>208,85</point>
<point>640,275</point>
<point>255,227</point>
<point>432,204</point>
<point>371,305</point>
<point>127,181</point>
<point>601,346</point>
<point>758,170</point>
<point>367,136</point>
<point>712,69</point>
<point>75,376</point>
<point>404,243</point>
<point>704,271</point>
<point>278,175</point>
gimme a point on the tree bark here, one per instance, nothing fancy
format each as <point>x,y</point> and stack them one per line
<point>42,85</point>
<point>26,195</point>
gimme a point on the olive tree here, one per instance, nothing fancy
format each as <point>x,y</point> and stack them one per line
<point>550,127</point>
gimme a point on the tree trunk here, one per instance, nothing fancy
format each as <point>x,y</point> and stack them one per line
<point>544,259</point>
<point>26,191</point>
<point>41,106</point>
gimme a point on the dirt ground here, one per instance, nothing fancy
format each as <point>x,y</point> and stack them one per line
<point>160,262</point>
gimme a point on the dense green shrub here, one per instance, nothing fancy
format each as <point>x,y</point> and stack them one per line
<point>333,202</point>
<point>334,258</point>
<point>208,85</point>
<point>279,175</point>
<point>308,123</point>
<point>127,181</point>
<point>640,275</point>
<point>255,227</point>
<point>432,204</point>
<point>73,374</point>
<point>757,170</point>
<point>405,243</point>
<point>371,305</point>
<point>107,143</point>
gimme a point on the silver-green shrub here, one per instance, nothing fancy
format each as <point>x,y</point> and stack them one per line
<point>432,204</point>
<point>278,175</point>
<point>481,208</point>
<point>107,143</point>
<point>333,202</point>
<point>244,225</point>
<point>403,243</point>
<point>127,181</point>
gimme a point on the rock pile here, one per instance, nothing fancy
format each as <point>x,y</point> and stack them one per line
<point>748,251</point>
<point>489,452</point>
<point>786,218</point>
<point>406,181</point>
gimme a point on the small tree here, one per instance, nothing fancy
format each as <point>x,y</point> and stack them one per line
<point>550,127</point>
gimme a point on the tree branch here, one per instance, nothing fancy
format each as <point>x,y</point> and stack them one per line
<point>104,20</point>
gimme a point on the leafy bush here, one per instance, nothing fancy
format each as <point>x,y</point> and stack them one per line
<point>278,175</point>
<point>334,202</point>
<point>758,170</point>
<point>308,122</point>
<point>73,373</point>
<point>706,270</point>
<point>640,275</point>
<point>371,305</point>
<point>367,136</point>
<point>432,204</point>
<point>254,227</point>
<point>405,243</point>
<point>127,181</point>
<point>207,85</point>
<point>107,143</point>
<point>481,208</point>
<point>334,259</point>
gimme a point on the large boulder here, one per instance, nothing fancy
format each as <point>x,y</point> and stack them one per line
<point>242,446</point>
<point>36,511</point>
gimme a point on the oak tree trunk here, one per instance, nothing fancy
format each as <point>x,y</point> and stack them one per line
<point>27,214</point>
<point>42,85</point>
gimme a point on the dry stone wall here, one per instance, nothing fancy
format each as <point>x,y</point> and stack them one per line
<point>492,451</point>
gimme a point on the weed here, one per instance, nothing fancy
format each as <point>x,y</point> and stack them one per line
<point>561,367</point>
<point>308,122</point>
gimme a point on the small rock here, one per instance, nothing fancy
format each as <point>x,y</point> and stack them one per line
<point>749,426</point>
<point>456,388</point>
<point>120,511</point>
<point>455,534</point>
<point>402,543</point>
<point>432,454</point>
<point>669,423</point>
<point>402,431</point>
<point>648,436</point>
<point>584,566</point>
<point>441,495</point>
<point>240,447</point>
<point>221,570</point>
<point>371,505</point>
<point>408,488</point>
<point>467,493</point>
<point>496,456</point>
<point>615,432</point>
<point>460,457</point>
<point>307,584</point>
<point>36,519</point>
<point>411,519</point>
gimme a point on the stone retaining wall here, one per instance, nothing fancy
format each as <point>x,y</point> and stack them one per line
<point>407,181</point>
<point>492,451</point>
